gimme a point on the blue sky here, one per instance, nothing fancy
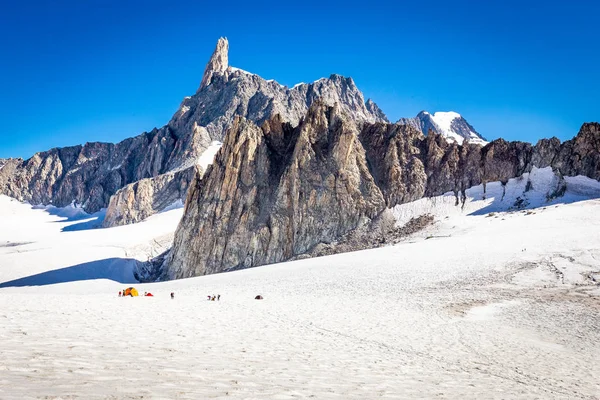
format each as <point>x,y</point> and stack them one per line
<point>101,70</point>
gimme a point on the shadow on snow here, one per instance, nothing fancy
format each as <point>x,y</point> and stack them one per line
<point>115,269</point>
<point>521,204</point>
<point>83,220</point>
<point>94,222</point>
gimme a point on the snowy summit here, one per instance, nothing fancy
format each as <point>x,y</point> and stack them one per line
<point>450,125</point>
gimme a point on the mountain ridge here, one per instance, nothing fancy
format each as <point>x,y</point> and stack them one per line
<point>92,173</point>
<point>276,191</point>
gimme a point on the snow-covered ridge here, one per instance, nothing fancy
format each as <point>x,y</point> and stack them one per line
<point>444,121</point>
<point>234,69</point>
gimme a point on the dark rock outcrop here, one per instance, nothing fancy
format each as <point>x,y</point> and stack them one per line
<point>381,231</point>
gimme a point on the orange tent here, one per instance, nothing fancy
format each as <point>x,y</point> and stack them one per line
<point>131,292</point>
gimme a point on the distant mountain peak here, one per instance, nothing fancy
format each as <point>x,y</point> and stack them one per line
<point>449,124</point>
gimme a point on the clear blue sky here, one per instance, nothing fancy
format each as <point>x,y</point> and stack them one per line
<point>103,70</point>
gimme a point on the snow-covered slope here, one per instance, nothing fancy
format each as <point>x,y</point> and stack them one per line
<point>537,189</point>
<point>35,240</point>
<point>450,125</point>
<point>484,304</point>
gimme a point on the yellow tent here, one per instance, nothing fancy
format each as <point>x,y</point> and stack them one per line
<point>131,292</point>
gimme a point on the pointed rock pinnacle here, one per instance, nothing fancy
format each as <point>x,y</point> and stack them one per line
<point>218,62</point>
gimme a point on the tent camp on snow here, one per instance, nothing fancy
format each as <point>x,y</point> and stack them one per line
<point>130,292</point>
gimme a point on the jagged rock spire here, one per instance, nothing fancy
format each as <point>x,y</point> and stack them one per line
<point>218,62</point>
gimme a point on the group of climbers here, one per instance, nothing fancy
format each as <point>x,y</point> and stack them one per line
<point>133,293</point>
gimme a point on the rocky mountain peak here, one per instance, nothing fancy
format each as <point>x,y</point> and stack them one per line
<point>374,109</point>
<point>218,63</point>
<point>590,131</point>
<point>90,175</point>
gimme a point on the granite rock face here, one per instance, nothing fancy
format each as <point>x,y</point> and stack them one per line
<point>218,62</point>
<point>437,166</point>
<point>578,156</point>
<point>223,96</point>
<point>146,197</point>
<point>276,192</point>
<point>92,173</point>
<point>394,155</point>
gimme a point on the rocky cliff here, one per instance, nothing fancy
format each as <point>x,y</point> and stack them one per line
<point>139,200</point>
<point>92,173</point>
<point>273,192</point>
<point>277,191</point>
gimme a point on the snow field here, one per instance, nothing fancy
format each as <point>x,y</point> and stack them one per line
<point>486,303</point>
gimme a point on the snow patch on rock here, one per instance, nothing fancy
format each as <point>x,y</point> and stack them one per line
<point>208,155</point>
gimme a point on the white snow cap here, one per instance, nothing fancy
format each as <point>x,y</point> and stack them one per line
<point>444,119</point>
<point>234,69</point>
<point>298,85</point>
